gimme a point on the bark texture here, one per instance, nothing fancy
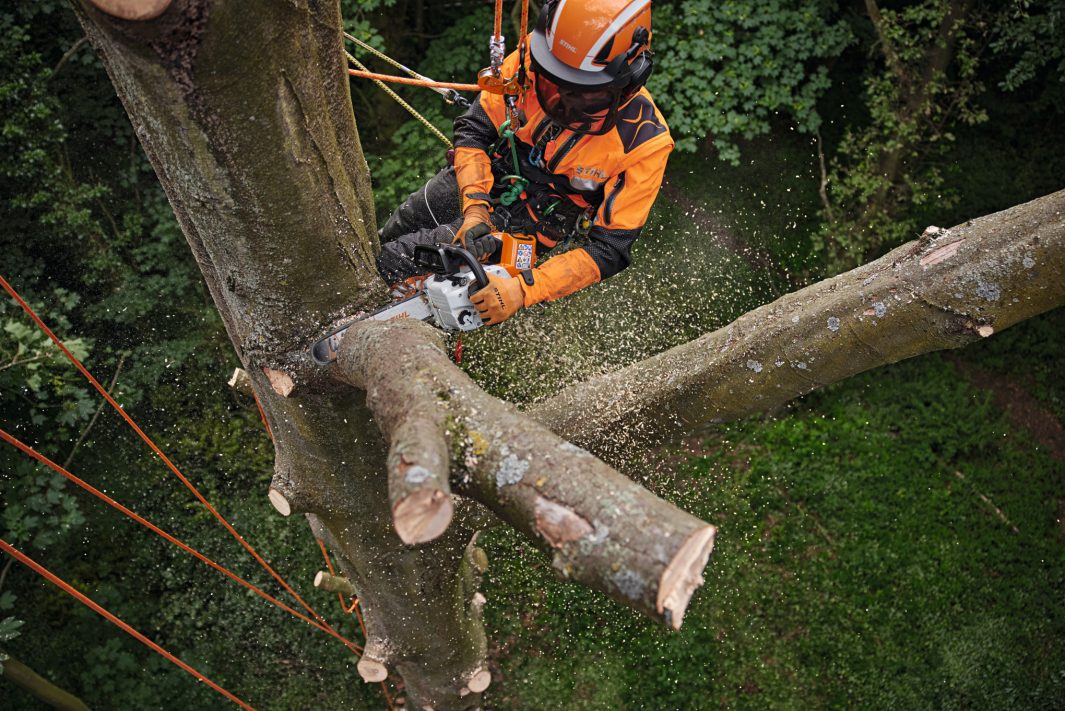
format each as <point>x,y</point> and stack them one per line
<point>247,120</point>
<point>944,290</point>
<point>601,528</point>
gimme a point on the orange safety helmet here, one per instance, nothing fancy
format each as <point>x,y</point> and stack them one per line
<point>590,57</point>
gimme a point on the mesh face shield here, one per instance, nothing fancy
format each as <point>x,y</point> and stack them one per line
<point>590,110</point>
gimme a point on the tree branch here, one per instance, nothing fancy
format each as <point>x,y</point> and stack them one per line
<point>886,45</point>
<point>601,528</point>
<point>33,683</point>
<point>943,291</point>
<point>822,188</point>
<point>69,53</point>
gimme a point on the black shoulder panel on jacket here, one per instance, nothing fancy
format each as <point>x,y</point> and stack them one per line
<point>474,129</point>
<point>638,123</point>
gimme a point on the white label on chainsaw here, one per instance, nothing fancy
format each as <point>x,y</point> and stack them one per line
<point>523,260</point>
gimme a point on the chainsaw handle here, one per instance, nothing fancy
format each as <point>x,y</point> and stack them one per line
<point>441,259</point>
<point>479,276</point>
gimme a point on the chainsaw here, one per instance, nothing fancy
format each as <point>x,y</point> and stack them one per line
<point>442,295</point>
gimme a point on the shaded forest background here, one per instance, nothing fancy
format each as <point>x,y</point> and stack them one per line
<point>895,540</point>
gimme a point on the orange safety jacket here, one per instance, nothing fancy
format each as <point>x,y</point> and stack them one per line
<point>616,175</point>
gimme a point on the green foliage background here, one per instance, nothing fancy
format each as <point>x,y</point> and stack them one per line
<point>859,564</point>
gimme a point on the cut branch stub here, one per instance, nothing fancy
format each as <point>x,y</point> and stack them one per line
<point>241,381</point>
<point>371,670</point>
<point>601,528</point>
<point>333,583</point>
<point>137,10</point>
<point>280,381</point>
<point>280,502</point>
<point>479,681</point>
<point>287,498</point>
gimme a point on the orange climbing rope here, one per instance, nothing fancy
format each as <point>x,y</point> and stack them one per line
<point>524,27</point>
<point>266,425</point>
<point>412,81</point>
<point>184,480</point>
<point>496,51</point>
<point>30,451</point>
<point>497,25</point>
<point>85,600</point>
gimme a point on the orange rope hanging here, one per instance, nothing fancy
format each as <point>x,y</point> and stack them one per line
<point>84,599</point>
<point>412,81</point>
<point>30,451</point>
<point>524,22</point>
<point>266,425</point>
<point>184,480</point>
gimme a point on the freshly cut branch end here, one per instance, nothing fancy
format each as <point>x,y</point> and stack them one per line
<point>479,681</point>
<point>371,670</point>
<point>241,381</point>
<point>683,575</point>
<point>280,502</point>
<point>418,466</point>
<point>333,583</point>
<point>281,382</point>
<point>423,515</point>
<point>137,10</point>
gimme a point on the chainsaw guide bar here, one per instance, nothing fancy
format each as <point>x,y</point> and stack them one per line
<point>324,351</point>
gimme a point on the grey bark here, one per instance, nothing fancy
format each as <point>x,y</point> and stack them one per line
<point>944,290</point>
<point>258,153</point>
<point>601,529</point>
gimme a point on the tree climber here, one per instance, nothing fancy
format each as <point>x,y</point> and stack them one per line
<point>590,145</point>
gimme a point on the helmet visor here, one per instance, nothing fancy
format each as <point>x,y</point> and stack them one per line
<point>591,110</point>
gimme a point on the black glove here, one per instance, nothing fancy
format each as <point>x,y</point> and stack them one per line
<point>482,246</point>
<point>476,221</point>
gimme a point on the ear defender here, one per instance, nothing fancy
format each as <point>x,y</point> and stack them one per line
<point>636,71</point>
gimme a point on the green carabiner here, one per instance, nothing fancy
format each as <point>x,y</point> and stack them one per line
<point>513,193</point>
<point>518,184</point>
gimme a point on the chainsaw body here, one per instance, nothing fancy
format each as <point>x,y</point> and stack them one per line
<point>448,298</point>
<point>443,297</point>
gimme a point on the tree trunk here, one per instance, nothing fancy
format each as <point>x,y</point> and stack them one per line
<point>915,90</point>
<point>246,117</point>
<point>258,154</point>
